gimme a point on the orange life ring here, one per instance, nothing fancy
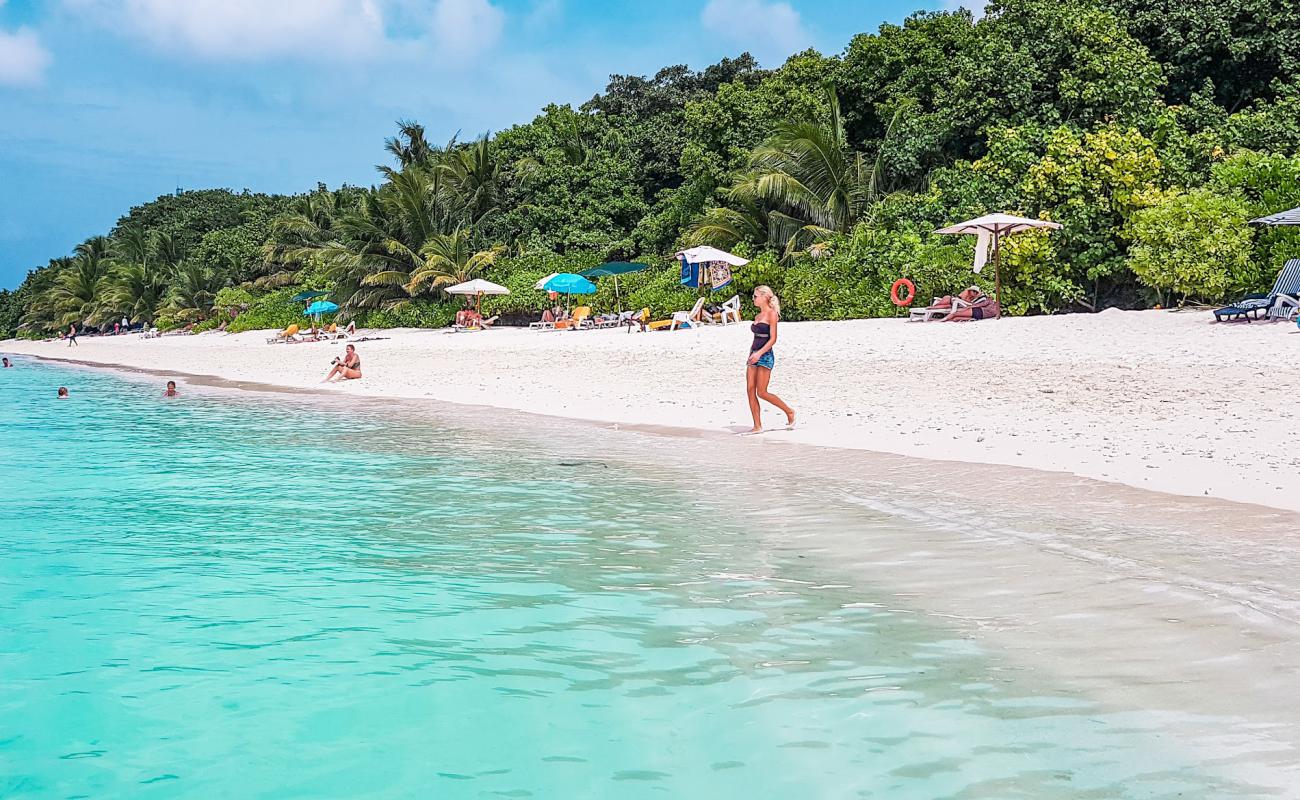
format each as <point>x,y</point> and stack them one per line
<point>899,284</point>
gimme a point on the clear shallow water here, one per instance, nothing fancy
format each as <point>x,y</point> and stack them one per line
<point>288,597</point>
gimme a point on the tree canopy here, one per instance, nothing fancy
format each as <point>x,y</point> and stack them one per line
<point>1151,130</point>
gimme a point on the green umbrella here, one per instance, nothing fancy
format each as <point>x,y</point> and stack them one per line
<point>614,268</point>
<point>302,297</point>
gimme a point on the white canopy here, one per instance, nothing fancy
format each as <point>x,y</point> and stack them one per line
<point>990,229</point>
<point>706,255</point>
<point>1291,217</point>
<point>542,283</point>
<point>998,225</point>
<point>477,286</point>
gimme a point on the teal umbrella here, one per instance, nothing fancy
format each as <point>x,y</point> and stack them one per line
<point>320,307</point>
<point>614,268</point>
<point>302,297</point>
<point>566,283</point>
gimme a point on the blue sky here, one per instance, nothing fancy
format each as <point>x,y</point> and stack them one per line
<point>105,104</point>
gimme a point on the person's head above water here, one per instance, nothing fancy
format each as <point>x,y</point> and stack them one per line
<point>171,389</point>
<point>63,392</point>
<point>6,362</point>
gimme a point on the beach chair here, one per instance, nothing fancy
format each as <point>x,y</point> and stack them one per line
<point>577,321</point>
<point>289,334</point>
<point>934,311</point>
<point>1281,303</point>
<point>640,319</point>
<point>730,312</point>
<point>679,318</point>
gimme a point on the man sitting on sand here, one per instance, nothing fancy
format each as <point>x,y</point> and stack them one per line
<point>347,369</point>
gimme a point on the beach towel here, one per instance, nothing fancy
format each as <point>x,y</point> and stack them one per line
<point>982,244</point>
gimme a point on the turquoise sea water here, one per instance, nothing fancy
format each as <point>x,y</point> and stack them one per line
<point>220,596</point>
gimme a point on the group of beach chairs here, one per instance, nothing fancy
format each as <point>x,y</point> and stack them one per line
<point>294,334</point>
<point>582,319</point>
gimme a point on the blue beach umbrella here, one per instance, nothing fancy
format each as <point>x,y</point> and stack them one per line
<point>566,283</point>
<point>320,307</point>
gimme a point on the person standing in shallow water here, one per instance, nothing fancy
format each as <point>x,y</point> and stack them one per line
<point>762,358</point>
<point>171,390</point>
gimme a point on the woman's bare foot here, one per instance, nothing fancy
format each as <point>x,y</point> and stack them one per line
<point>789,420</point>
<point>752,431</point>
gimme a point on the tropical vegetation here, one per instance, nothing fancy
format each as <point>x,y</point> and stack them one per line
<point>1153,131</point>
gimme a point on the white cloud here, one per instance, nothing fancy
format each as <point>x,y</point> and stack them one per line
<point>465,27</point>
<point>766,28</point>
<point>23,58</point>
<point>246,29</point>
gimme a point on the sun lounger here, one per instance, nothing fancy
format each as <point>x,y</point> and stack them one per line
<point>576,322</point>
<point>934,311</point>
<point>689,319</point>
<point>730,312</point>
<point>640,319</point>
<point>289,334</point>
<point>1281,303</point>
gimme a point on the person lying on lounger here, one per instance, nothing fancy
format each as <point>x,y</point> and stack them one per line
<point>975,305</point>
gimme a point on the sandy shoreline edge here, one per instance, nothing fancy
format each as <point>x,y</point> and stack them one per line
<point>1154,400</point>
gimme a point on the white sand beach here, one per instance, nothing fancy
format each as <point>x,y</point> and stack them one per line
<point>1165,401</point>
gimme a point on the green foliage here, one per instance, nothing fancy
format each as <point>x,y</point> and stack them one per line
<point>1195,245</point>
<point>1240,48</point>
<point>855,278</point>
<point>271,310</point>
<point>415,314</point>
<point>1128,121</point>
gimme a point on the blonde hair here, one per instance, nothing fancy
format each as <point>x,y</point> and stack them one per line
<point>772,299</point>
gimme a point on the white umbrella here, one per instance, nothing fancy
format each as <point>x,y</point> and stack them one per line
<point>706,255</point>
<point>996,226</point>
<point>542,283</point>
<point>477,286</point>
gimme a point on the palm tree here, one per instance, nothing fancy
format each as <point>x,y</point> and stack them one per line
<point>297,236</point>
<point>193,290</point>
<point>803,186</point>
<point>450,259</point>
<point>409,146</point>
<point>78,292</point>
<point>474,177</point>
<point>140,278</point>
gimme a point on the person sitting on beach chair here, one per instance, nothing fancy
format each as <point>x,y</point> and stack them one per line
<point>972,304</point>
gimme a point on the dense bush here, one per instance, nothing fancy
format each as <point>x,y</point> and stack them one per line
<point>271,310</point>
<point>1195,245</point>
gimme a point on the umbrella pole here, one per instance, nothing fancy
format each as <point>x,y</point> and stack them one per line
<point>618,298</point>
<point>997,273</point>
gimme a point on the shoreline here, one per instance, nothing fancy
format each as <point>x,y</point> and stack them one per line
<point>1143,399</point>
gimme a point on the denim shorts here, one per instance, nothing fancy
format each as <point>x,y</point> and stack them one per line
<point>766,361</point>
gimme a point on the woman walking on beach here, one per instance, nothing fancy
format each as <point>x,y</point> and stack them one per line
<point>762,359</point>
